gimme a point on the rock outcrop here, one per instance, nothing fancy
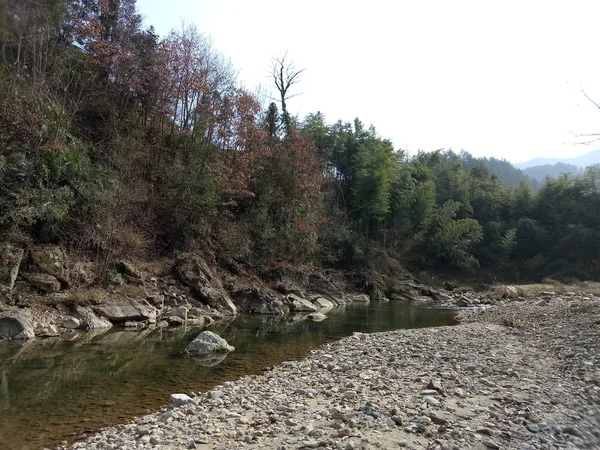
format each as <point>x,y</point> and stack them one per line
<point>258,301</point>
<point>90,321</point>
<point>193,271</point>
<point>326,289</point>
<point>51,260</point>
<point>16,325</point>
<point>121,310</point>
<point>45,283</point>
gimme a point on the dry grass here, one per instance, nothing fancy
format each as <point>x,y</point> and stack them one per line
<point>85,297</point>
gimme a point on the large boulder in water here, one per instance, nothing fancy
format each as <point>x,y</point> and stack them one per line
<point>193,271</point>
<point>208,342</point>
<point>15,325</point>
<point>51,260</point>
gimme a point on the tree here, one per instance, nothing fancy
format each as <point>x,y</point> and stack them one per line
<point>285,75</point>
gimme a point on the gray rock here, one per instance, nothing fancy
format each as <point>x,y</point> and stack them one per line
<point>359,298</point>
<point>71,323</point>
<point>121,310</point>
<point>192,270</point>
<point>323,303</point>
<point>16,326</point>
<point>298,304</point>
<point>258,301</point>
<point>127,268</point>
<point>47,331</point>
<point>90,321</point>
<point>180,311</point>
<point>326,289</point>
<point>208,342</point>
<point>490,444</point>
<point>463,301</point>
<point>176,400</point>
<point>432,401</point>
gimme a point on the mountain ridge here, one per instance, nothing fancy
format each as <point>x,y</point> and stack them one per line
<point>585,160</point>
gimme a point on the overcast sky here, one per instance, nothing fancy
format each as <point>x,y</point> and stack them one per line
<point>499,79</point>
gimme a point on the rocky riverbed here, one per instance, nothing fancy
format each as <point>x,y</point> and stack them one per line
<point>522,375</point>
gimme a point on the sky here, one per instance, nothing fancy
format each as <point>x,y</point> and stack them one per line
<point>502,79</point>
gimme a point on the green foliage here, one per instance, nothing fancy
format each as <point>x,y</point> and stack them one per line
<point>113,140</point>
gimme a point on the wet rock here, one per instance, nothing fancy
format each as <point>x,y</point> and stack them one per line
<point>71,323</point>
<point>16,325</point>
<point>297,304</point>
<point>323,303</point>
<point>207,342</point>
<point>359,298</point>
<point>47,331</point>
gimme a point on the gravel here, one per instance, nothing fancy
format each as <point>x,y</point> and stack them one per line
<point>520,375</point>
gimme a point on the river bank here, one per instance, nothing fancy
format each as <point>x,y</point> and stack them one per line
<point>518,375</point>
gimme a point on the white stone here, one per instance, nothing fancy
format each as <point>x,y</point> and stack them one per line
<point>179,400</point>
<point>208,342</point>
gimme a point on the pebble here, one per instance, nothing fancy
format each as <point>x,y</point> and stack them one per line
<point>502,384</point>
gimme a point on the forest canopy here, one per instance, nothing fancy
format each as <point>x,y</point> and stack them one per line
<point>116,141</point>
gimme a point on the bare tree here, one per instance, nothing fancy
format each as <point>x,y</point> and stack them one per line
<point>285,76</point>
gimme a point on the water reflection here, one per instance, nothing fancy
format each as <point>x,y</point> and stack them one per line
<point>53,389</point>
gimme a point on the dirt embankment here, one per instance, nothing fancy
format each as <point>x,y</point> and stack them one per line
<point>520,375</point>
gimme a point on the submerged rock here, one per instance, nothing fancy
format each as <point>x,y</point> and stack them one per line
<point>208,342</point>
<point>317,317</point>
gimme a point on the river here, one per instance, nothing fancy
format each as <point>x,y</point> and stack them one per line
<point>56,390</point>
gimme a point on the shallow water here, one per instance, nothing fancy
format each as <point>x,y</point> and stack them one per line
<point>53,390</point>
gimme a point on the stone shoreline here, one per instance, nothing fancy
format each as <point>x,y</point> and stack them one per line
<point>521,375</point>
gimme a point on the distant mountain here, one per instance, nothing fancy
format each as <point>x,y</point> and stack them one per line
<point>506,172</point>
<point>589,159</point>
<point>539,173</point>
